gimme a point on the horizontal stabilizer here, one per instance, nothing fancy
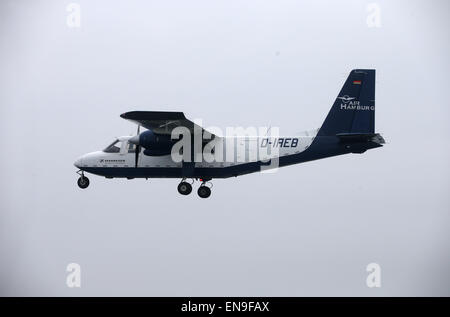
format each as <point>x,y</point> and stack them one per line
<point>361,137</point>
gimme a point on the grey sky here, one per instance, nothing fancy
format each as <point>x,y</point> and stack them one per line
<point>308,229</point>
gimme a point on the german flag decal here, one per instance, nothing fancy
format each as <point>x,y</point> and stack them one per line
<point>356,82</point>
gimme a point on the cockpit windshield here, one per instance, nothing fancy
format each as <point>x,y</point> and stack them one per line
<point>113,147</point>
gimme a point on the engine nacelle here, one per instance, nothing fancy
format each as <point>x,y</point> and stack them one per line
<point>155,144</point>
<point>153,152</point>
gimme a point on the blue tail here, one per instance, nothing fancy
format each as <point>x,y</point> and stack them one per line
<point>353,112</point>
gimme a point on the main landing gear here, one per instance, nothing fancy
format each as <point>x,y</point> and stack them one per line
<point>204,191</point>
<point>83,181</point>
<point>184,188</point>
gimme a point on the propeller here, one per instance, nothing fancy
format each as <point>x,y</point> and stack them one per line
<point>138,148</point>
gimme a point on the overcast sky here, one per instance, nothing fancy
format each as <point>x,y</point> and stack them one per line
<point>309,229</point>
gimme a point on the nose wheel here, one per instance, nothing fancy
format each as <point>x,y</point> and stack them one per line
<point>83,181</point>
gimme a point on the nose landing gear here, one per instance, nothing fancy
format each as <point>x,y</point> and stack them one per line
<point>83,181</point>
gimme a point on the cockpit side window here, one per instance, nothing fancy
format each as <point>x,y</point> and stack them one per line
<point>113,147</point>
<point>131,148</point>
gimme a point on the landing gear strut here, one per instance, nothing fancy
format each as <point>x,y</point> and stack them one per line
<point>184,188</point>
<point>83,181</point>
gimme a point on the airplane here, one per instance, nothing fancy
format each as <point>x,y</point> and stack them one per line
<point>348,128</point>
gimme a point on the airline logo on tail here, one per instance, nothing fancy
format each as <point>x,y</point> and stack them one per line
<point>346,98</point>
<point>349,103</point>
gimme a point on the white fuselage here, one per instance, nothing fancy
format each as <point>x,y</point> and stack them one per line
<point>235,151</point>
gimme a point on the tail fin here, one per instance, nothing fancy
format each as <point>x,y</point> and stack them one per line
<point>354,108</point>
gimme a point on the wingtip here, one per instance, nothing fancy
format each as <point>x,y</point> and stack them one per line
<point>124,115</point>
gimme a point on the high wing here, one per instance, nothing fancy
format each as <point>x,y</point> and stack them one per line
<point>162,122</point>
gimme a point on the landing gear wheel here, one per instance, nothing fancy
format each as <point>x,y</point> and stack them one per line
<point>204,191</point>
<point>83,182</point>
<point>184,188</point>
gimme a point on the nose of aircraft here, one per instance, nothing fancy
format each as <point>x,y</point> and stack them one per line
<point>78,162</point>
